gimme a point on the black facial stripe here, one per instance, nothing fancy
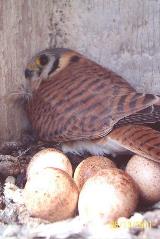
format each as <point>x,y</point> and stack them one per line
<point>39,71</point>
<point>54,66</point>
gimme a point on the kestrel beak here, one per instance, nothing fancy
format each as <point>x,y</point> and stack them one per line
<point>28,74</point>
<point>34,83</point>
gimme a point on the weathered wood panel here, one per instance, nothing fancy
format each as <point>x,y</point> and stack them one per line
<point>121,34</point>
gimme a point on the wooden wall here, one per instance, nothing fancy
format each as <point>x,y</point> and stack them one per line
<point>121,34</point>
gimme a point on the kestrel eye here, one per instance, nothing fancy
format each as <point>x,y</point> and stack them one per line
<point>43,60</point>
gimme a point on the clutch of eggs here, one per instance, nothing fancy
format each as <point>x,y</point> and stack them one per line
<point>106,192</point>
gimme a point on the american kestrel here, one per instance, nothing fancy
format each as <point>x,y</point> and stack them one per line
<point>87,107</point>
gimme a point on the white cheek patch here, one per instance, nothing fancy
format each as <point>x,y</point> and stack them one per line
<point>45,71</point>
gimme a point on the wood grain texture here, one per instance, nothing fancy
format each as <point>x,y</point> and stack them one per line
<point>121,34</point>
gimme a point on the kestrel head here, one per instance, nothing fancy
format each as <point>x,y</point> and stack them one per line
<point>44,64</point>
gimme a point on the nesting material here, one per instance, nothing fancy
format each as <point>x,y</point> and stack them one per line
<point>9,165</point>
<point>1,195</point>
